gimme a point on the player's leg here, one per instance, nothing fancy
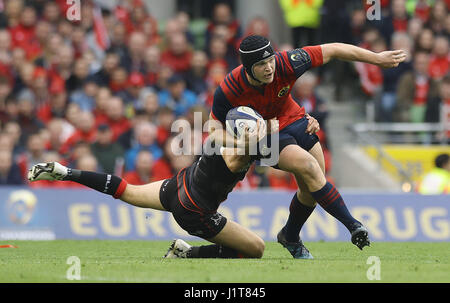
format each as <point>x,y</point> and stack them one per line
<point>139,195</point>
<point>233,241</point>
<point>302,204</point>
<point>305,167</point>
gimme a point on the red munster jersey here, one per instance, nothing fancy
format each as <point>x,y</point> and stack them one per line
<point>271,100</point>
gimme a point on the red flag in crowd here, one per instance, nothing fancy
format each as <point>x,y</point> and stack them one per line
<point>101,33</point>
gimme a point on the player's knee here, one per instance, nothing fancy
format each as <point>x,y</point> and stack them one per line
<point>258,247</point>
<point>308,168</point>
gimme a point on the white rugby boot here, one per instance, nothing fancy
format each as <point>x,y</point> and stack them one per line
<point>47,171</point>
<point>178,249</point>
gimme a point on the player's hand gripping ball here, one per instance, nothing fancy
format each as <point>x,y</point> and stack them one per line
<point>239,118</point>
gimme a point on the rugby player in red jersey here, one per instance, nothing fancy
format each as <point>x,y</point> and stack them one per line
<point>264,82</point>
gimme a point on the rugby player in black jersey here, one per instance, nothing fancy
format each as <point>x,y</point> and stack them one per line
<point>192,196</point>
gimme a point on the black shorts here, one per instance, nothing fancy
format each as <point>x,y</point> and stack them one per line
<point>196,222</point>
<point>295,134</point>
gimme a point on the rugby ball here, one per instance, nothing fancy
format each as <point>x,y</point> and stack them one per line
<point>240,117</point>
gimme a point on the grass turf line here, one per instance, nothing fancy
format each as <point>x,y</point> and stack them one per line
<point>141,261</point>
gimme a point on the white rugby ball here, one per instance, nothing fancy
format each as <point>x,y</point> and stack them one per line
<point>240,117</point>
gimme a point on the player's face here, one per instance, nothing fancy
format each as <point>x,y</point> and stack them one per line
<point>264,70</point>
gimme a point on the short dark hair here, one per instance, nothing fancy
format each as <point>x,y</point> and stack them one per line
<point>441,160</point>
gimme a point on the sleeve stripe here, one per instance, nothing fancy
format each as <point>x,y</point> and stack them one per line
<point>229,87</point>
<point>284,63</point>
<point>277,62</point>
<point>232,84</point>
<point>237,83</point>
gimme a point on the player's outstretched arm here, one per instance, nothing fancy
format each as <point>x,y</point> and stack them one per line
<point>348,52</point>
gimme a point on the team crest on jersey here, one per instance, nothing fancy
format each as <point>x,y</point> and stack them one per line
<point>283,91</point>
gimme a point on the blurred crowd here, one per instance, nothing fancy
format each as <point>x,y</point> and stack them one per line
<point>416,90</point>
<point>101,93</point>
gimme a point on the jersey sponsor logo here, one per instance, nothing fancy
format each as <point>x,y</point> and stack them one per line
<point>296,56</point>
<point>216,218</point>
<point>283,91</point>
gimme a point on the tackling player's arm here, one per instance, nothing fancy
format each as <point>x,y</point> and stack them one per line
<point>348,52</point>
<point>237,158</point>
<point>218,133</point>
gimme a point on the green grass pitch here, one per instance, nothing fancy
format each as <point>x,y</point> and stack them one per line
<point>141,261</point>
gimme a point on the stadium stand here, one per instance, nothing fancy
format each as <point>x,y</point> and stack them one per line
<point>99,91</point>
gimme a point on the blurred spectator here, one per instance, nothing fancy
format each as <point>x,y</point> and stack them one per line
<point>440,58</point>
<point>119,80</point>
<point>128,138</point>
<point>115,117</point>
<point>108,153</point>
<point>87,162</point>
<point>395,22</point>
<point>101,103</point>
<point>27,114</point>
<point>59,130</point>
<point>164,74</point>
<point>145,140</point>
<point>303,17</point>
<point>110,62</point>
<point>438,14</point>
<point>62,64</point>
<point>386,103</point>
<point>142,173</point>
<point>162,168</point>
<point>165,119</point>
<point>183,20</point>
<point>414,90</point>
<point>9,171</point>
<point>6,142</point>
<point>304,93</point>
<point>434,106</point>
<point>130,95</point>
<point>13,130</point>
<point>5,91</point>
<point>223,25</point>
<point>85,97</point>
<point>371,76</point>
<point>56,107</point>
<point>218,54</point>
<point>196,75</point>
<point>34,153</point>
<point>148,99</point>
<point>415,26</point>
<point>216,73</point>
<point>177,97</point>
<point>425,41</point>
<point>134,61</point>
<point>178,54</point>
<point>79,75</point>
<point>23,34</point>
<point>85,132</point>
<point>152,59</point>
<point>437,181</point>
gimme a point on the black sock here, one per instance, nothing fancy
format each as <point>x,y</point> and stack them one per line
<point>104,183</point>
<point>214,251</point>
<point>298,214</point>
<point>330,199</point>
